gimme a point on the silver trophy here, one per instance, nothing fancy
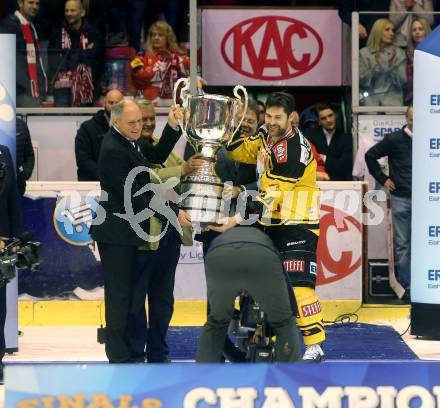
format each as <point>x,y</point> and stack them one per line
<point>208,123</point>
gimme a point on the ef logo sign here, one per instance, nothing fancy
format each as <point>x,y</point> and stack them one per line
<point>272,48</point>
<point>339,252</point>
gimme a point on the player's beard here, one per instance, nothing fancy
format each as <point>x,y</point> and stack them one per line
<point>276,131</point>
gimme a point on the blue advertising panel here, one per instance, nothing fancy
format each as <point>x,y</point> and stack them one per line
<point>70,259</point>
<point>425,259</point>
<point>336,384</point>
<point>7,92</point>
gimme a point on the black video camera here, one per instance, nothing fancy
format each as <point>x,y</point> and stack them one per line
<point>19,253</point>
<point>247,322</point>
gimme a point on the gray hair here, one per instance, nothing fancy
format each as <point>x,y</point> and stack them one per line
<point>118,109</point>
<point>143,102</point>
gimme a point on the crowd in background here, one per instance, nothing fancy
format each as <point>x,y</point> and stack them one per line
<point>79,44</point>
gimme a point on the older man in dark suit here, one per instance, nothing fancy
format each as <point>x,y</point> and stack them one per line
<point>120,234</point>
<point>334,146</point>
<point>10,226</point>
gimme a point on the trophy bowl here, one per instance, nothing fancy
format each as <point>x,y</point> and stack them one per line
<point>209,121</point>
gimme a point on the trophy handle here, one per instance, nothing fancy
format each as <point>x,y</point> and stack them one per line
<point>183,96</point>
<point>237,95</point>
<point>177,85</point>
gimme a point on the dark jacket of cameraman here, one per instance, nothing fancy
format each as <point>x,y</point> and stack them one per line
<point>10,218</point>
<point>10,223</point>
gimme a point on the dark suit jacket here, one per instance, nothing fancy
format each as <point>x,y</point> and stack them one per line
<point>11,25</point>
<point>116,159</point>
<point>10,216</point>
<point>25,155</point>
<point>339,162</point>
<point>88,142</point>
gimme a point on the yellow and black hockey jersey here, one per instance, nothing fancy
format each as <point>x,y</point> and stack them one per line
<point>287,177</point>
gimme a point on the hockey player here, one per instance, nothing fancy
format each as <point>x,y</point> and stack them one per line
<point>288,207</point>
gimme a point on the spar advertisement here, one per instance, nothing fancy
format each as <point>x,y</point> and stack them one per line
<point>273,47</point>
<point>425,259</point>
<point>330,384</point>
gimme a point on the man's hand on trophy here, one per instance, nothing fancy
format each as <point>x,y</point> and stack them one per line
<point>175,116</point>
<point>227,223</point>
<point>193,163</point>
<point>184,219</point>
<point>230,191</point>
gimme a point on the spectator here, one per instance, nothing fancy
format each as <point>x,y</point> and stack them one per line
<point>334,146</point>
<point>398,147</point>
<point>420,29</point>
<point>246,177</point>
<point>321,174</point>
<point>89,138</point>
<point>262,111</point>
<point>75,52</point>
<point>403,21</point>
<point>382,67</point>
<point>25,158</point>
<point>30,76</point>
<point>155,71</point>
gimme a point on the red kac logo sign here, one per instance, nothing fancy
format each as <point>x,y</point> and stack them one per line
<point>338,222</point>
<point>271,48</point>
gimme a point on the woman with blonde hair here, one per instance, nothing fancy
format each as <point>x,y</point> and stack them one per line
<point>382,67</point>
<point>404,12</point>
<point>420,29</point>
<point>155,70</point>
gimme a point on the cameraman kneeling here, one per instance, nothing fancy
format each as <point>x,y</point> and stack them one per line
<point>245,258</point>
<point>10,226</point>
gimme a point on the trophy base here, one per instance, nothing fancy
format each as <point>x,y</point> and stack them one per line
<point>203,202</point>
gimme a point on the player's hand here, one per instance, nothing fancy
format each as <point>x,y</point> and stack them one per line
<point>184,219</point>
<point>389,185</point>
<point>2,244</point>
<point>175,116</point>
<point>230,191</point>
<point>193,163</point>
<point>226,224</point>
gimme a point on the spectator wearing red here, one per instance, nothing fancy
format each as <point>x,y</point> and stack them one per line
<point>30,77</point>
<point>75,52</point>
<point>155,71</point>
